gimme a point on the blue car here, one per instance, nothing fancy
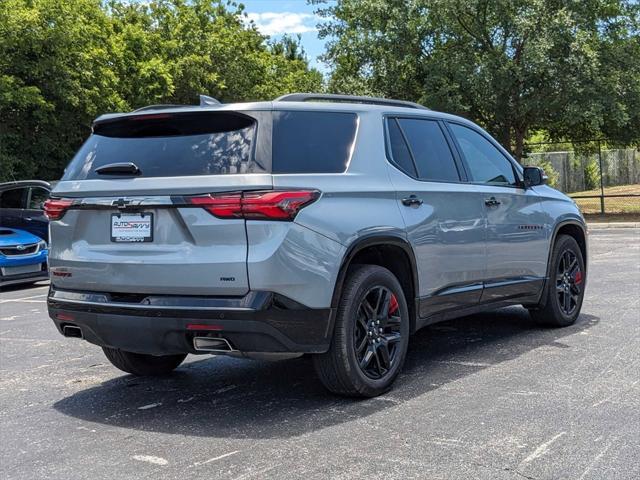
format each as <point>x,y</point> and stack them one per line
<point>23,257</point>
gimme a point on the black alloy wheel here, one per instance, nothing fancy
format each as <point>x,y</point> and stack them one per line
<point>377,333</point>
<point>562,298</point>
<point>371,334</point>
<point>568,282</point>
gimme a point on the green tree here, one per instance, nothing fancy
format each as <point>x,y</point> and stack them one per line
<point>63,62</point>
<point>515,66</point>
<point>54,78</point>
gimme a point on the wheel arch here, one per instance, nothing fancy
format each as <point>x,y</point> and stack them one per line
<point>574,229</point>
<point>389,251</point>
<point>578,231</point>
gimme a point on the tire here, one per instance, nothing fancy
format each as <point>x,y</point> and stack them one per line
<point>566,281</point>
<point>142,365</point>
<point>357,338</point>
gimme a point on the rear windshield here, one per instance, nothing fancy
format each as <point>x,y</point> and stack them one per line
<point>167,145</point>
<point>312,142</point>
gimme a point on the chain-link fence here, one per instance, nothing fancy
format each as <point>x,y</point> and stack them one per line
<point>601,179</point>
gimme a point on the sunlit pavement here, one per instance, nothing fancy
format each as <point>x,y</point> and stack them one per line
<point>491,396</point>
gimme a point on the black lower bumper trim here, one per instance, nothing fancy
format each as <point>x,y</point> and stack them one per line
<point>162,325</point>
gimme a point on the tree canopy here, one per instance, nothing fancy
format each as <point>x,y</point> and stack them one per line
<point>63,62</point>
<point>568,68</point>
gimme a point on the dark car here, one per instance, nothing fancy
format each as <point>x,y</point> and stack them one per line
<point>21,206</point>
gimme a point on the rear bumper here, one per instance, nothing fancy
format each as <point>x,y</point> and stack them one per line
<point>164,325</point>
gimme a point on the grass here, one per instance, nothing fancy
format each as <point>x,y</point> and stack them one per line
<point>616,206</point>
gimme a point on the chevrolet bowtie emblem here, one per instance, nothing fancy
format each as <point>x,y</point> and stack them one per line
<point>120,203</point>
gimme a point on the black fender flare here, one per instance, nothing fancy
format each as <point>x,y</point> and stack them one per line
<point>376,239</point>
<point>543,296</point>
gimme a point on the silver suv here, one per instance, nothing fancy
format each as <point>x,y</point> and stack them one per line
<point>313,224</point>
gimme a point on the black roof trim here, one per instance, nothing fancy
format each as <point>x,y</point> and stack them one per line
<point>24,183</point>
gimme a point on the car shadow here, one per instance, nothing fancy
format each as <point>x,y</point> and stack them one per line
<point>23,286</point>
<point>238,398</point>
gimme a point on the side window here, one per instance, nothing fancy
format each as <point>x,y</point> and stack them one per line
<point>14,198</point>
<point>399,150</point>
<point>37,198</point>
<point>430,150</point>
<point>486,163</point>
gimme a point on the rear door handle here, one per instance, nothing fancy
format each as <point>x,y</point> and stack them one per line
<point>491,202</point>
<point>412,201</point>
<point>28,219</point>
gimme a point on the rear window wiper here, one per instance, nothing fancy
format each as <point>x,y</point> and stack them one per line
<point>122,168</point>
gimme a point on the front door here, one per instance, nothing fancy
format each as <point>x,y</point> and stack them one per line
<point>444,216</point>
<point>516,243</point>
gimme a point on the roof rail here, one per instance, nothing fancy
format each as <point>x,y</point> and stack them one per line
<point>332,97</point>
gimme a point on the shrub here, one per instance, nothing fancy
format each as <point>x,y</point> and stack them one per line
<point>591,175</point>
<point>551,172</point>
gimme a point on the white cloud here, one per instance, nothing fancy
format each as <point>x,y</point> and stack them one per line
<point>272,23</point>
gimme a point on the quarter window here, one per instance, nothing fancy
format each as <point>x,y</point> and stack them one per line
<point>486,163</point>
<point>399,150</point>
<point>312,142</point>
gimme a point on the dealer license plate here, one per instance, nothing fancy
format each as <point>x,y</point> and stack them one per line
<point>132,227</point>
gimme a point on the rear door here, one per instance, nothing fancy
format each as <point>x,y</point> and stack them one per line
<point>133,225</point>
<point>443,215</point>
<point>516,244</point>
<point>33,215</point>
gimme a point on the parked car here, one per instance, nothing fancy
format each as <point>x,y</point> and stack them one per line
<point>21,206</point>
<point>23,257</point>
<point>314,224</point>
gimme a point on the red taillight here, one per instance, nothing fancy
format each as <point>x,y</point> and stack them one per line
<point>276,205</point>
<point>263,205</point>
<point>55,208</point>
<point>226,205</point>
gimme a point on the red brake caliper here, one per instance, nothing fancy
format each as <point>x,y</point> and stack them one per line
<point>577,279</point>
<point>393,304</point>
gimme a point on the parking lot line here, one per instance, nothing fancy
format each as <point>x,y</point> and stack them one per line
<point>23,299</point>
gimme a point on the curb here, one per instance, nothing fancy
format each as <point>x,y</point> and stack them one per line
<point>608,225</point>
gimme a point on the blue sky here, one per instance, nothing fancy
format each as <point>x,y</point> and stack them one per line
<point>277,17</point>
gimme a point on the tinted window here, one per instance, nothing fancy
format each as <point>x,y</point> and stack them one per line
<point>15,198</point>
<point>486,163</point>
<point>399,149</point>
<point>167,145</point>
<point>38,196</point>
<point>430,150</point>
<point>312,142</point>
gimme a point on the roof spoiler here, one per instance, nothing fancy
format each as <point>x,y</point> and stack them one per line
<point>204,101</point>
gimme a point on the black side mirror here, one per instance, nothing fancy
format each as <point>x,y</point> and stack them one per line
<point>534,176</point>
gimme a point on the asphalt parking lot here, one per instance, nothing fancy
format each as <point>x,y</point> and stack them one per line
<point>490,396</point>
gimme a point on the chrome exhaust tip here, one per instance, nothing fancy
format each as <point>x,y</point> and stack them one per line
<point>212,344</point>
<point>72,331</point>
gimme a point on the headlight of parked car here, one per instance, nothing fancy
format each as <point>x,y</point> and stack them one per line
<point>42,245</point>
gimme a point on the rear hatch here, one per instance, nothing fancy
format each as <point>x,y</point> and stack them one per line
<point>126,216</point>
